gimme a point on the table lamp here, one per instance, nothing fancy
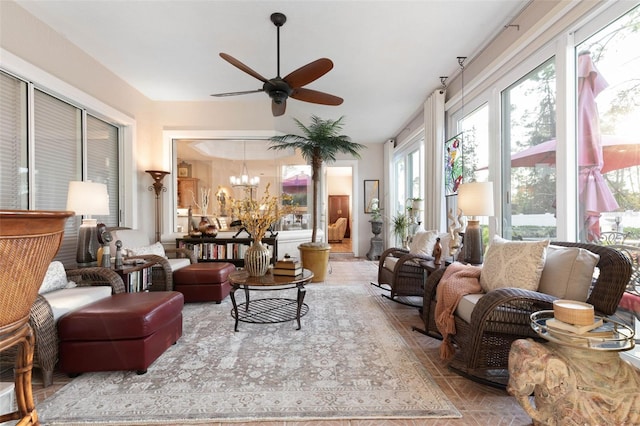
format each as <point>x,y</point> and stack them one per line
<point>474,199</point>
<point>86,199</point>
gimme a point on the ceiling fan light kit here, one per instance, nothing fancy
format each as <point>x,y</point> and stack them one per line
<point>280,89</point>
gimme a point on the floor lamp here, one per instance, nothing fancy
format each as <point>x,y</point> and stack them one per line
<point>157,187</point>
<point>86,199</point>
<point>474,199</point>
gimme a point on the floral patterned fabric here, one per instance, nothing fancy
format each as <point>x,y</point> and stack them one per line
<point>157,249</point>
<point>55,279</point>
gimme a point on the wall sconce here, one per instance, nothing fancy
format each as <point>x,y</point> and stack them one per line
<point>475,199</point>
<point>86,199</point>
<point>158,188</point>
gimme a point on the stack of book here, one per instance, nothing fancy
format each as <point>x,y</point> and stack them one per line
<point>597,329</point>
<point>289,267</point>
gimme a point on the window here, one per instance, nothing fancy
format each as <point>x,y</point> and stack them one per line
<point>528,143</point>
<point>475,146</point>
<point>608,70</point>
<point>67,144</point>
<point>408,184</point>
<point>296,182</point>
<point>474,130</point>
<point>14,187</point>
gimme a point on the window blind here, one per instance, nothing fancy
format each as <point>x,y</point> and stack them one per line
<point>13,144</point>
<point>57,160</point>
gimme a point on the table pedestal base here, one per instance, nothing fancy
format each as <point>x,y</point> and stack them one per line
<point>572,385</point>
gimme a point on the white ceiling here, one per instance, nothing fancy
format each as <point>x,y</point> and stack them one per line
<point>388,55</point>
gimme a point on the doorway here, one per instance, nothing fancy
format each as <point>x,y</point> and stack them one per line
<point>340,205</point>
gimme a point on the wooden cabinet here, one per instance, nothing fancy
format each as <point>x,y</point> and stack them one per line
<point>187,191</point>
<point>339,207</point>
<point>225,249</point>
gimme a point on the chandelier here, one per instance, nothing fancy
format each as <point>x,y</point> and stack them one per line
<point>244,180</point>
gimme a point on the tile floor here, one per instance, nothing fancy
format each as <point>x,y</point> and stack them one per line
<point>478,404</point>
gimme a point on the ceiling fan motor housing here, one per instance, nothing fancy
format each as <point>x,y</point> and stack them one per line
<point>278,89</point>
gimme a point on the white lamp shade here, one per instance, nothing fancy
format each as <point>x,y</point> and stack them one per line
<point>88,198</point>
<point>476,198</point>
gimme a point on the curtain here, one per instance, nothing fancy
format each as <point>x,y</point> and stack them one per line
<point>434,138</point>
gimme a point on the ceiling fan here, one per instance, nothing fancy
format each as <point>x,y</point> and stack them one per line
<point>278,88</point>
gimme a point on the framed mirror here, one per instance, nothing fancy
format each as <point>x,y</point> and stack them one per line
<point>371,195</point>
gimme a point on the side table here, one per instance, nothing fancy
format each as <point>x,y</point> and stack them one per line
<point>136,277</point>
<point>576,379</point>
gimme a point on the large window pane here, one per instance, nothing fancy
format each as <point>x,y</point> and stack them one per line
<point>57,160</point>
<point>14,187</point>
<point>102,162</point>
<point>529,171</point>
<point>474,128</point>
<point>608,75</point>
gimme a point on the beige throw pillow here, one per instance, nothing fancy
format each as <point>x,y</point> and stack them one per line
<point>421,241</point>
<point>568,272</point>
<point>513,264</point>
<point>157,249</point>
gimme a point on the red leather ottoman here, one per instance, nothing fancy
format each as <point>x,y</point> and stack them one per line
<point>127,331</point>
<point>203,282</point>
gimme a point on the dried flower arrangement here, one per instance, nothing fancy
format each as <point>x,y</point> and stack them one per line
<point>205,194</point>
<point>257,216</point>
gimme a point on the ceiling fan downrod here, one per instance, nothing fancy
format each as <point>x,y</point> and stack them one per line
<point>278,20</point>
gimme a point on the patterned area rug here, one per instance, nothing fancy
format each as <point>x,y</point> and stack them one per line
<point>346,362</point>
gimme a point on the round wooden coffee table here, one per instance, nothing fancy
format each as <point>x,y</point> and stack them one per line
<point>273,309</point>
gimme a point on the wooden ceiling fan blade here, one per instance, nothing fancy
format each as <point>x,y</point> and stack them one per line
<point>278,109</point>
<point>308,73</point>
<point>244,92</point>
<point>315,97</point>
<point>236,63</point>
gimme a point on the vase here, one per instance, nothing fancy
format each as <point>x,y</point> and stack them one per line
<point>376,227</point>
<point>257,259</point>
<point>204,224</point>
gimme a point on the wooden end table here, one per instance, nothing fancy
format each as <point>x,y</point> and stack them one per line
<point>268,310</point>
<point>136,276</point>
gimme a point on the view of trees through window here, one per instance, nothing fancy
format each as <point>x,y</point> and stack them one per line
<point>608,129</point>
<point>529,117</point>
<point>608,145</point>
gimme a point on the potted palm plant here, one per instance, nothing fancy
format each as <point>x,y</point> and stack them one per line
<point>319,143</point>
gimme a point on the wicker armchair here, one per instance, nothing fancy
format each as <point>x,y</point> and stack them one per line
<point>402,272</point>
<point>43,324</point>
<point>28,242</point>
<point>502,316</point>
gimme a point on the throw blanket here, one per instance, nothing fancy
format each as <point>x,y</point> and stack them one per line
<point>457,281</point>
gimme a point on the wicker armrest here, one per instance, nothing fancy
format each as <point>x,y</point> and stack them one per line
<point>96,276</point>
<point>431,285</point>
<point>413,258</point>
<point>391,252</point>
<point>182,252</point>
<point>509,306</point>
<point>46,335</point>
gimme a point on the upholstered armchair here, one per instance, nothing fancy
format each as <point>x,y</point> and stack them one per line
<point>135,244</point>
<point>486,324</point>
<point>337,229</point>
